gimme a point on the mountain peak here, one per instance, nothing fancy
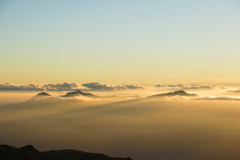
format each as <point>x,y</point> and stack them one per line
<point>43,94</point>
<point>78,91</point>
<point>176,93</point>
<point>29,148</point>
<point>180,92</point>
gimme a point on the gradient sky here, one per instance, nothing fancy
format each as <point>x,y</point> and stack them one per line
<point>119,41</point>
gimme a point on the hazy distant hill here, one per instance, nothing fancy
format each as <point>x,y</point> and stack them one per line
<point>30,153</point>
<point>43,94</point>
<point>176,93</point>
<point>78,93</point>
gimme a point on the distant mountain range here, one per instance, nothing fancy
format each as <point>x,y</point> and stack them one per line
<point>30,153</point>
<point>78,93</point>
<point>68,95</point>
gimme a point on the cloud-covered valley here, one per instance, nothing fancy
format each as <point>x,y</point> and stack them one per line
<point>163,128</point>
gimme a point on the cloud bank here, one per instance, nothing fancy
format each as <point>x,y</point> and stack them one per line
<point>67,87</point>
<point>105,87</point>
<point>218,98</point>
<point>31,87</point>
<point>182,86</point>
<point>39,87</point>
<point>236,91</point>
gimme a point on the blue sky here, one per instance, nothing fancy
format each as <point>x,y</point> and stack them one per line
<point>119,41</point>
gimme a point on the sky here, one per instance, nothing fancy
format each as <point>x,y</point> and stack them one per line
<point>123,41</point>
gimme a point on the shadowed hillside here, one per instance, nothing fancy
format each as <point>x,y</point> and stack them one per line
<point>30,153</point>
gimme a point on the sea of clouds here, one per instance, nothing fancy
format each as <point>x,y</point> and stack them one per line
<point>96,86</point>
<point>67,87</point>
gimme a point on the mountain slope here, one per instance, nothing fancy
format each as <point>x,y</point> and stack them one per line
<point>78,155</point>
<point>78,93</point>
<point>24,153</point>
<point>171,94</point>
<point>30,153</point>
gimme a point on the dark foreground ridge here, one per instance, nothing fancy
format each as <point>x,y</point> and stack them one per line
<point>171,94</point>
<point>30,153</point>
<point>78,93</point>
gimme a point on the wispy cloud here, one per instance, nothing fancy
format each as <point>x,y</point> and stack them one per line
<point>183,86</point>
<point>217,98</point>
<point>236,90</point>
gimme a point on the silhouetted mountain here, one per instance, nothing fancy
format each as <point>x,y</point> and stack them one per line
<point>78,155</point>
<point>30,153</point>
<point>24,153</point>
<point>78,93</point>
<point>43,94</point>
<point>176,93</point>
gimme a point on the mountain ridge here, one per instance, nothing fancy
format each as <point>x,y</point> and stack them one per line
<point>171,94</point>
<point>78,93</point>
<point>30,153</point>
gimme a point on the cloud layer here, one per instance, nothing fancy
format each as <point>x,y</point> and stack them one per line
<point>236,91</point>
<point>35,87</point>
<point>67,87</point>
<point>98,86</point>
<point>182,86</point>
<point>218,98</point>
<point>8,86</point>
